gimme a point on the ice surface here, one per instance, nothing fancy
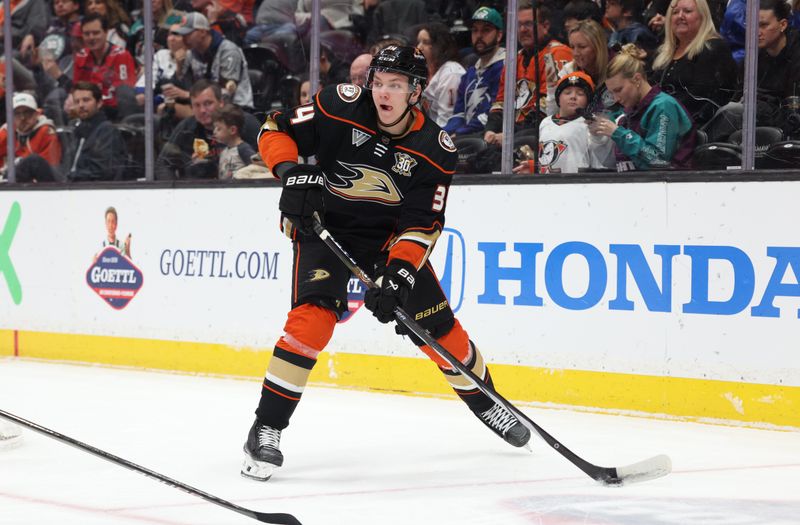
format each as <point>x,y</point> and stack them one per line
<point>360,458</point>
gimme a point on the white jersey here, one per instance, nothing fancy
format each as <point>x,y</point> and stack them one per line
<point>566,147</point>
<point>440,94</point>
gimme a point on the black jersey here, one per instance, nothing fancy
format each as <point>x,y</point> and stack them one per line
<point>381,190</point>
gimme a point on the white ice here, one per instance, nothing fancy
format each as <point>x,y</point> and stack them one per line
<point>360,458</point>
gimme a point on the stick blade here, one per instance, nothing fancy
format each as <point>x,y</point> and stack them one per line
<point>276,518</point>
<point>653,468</point>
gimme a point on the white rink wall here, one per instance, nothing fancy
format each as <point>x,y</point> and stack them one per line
<point>673,280</point>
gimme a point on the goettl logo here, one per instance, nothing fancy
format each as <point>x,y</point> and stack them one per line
<point>112,275</point>
<point>6,266</point>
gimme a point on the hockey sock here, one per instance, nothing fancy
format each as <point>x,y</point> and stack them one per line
<point>476,400</point>
<point>308,330</point>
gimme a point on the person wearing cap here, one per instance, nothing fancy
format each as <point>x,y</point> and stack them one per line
<point>215,58</point>
<point>34,135</point>
<point>565,145</point>
<point>480,83</point>
<point>529,80</point>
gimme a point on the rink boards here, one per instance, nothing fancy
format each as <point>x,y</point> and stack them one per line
<point>677,299</point>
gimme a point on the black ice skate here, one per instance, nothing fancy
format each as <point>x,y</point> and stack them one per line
<point>505,425</point>
<point>261,452</point>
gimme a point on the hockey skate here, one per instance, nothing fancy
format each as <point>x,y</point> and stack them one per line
<point>261,452</point>
<point>505,425</point>
<point>10,435</point>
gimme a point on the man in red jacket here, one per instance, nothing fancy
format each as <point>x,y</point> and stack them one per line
<point>34,135</point>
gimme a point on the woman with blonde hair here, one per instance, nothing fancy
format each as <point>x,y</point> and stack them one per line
<point>589,45</point>
<point>694,64</point>
<point>655,132</point>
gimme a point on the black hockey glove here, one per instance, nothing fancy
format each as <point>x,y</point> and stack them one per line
<point>392,291</point>
<point>301,197</point>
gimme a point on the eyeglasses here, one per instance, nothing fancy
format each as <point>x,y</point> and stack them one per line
<point>525,25</point>
<point>175,33</point>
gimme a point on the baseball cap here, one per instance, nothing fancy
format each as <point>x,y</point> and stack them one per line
<point>24,100</point>
<point>193,21</point>
<point>488,15</point>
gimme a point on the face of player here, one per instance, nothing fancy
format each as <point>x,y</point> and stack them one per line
<point>94,37</point>
<point>85,103</point>
<point>770,29</point>
<point>203,106</point>
<point>111,225</point>
<point>685,20</point>
<point>485,37</point>
<point>570,100</point>
<point>625,90</point>
<point>97,6</point>
<point>64,8</point>
<point>390,93</point>
<point>583,52</point>
<point>25,119</point>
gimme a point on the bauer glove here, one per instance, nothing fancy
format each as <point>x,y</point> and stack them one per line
<point>392,291</point>
<point>301,198</point>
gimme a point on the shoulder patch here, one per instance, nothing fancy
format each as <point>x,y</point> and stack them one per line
<point>348,92</point>
<point>446,142</point>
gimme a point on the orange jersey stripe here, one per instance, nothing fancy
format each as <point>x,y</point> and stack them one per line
<point>408,251</point>
<point>340,119</point>
<point>276,147</point>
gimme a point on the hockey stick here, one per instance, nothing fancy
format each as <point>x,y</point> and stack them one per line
<point>652,468</point>
<point>277,518</point>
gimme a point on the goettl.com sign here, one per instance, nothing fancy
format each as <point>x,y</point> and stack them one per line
<point>114,278</point>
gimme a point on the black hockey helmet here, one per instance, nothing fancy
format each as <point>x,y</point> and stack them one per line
<point>405,60</point>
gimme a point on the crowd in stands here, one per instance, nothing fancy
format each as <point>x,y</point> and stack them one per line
<point>612,85</point>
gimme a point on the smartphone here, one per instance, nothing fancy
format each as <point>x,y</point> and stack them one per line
<point>586,114</point>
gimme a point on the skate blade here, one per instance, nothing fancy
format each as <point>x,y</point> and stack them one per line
<point>257,470</point>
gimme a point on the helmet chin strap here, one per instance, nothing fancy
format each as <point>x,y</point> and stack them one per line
<point>399,119</point>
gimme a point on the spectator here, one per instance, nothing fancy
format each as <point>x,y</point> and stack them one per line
<point>694,64</point>
<point>732,28</point>
<point>164,16</point>
<point>170,91</point>
<point>795,20</point>
<point>118,21</point>
<point>578,10</point>
<point>217,59</point>
<point>529,81</point>
<point>29,20</point>
<point>624,16</point>
<point>34,138</point>
<point>335,14</point>
<point>192,151</point>
<point>358,69</point>
<point>444,71</point>
<point>332,70</point>
<point>565,145</point>
<point>390,17</point>
<point>479,85</point>
<point>590,55</point>
<point>228,123</point>
<point>100,146</point>
<point>655,132</point>
<point>110,67</point>
<point>275,16</point>
<point>778,76</point>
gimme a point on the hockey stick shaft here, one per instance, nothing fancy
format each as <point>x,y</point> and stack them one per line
<point>275,518</point>
<point>608,475</point>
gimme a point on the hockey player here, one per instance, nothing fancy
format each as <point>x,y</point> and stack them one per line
<point>381,187</point>
<point>565,144</point>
